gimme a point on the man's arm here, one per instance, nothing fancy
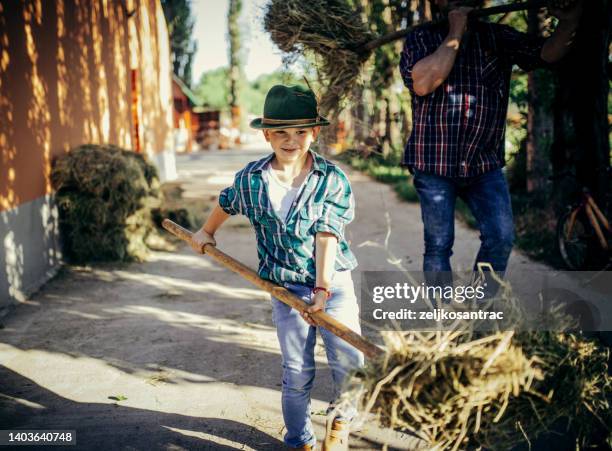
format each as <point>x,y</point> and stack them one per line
<point>430,72</point>
<point>557,46</point>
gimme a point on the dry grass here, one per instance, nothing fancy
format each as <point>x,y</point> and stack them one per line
<point>105,195</point>
<point>462,389</point>
<point>328,29</point>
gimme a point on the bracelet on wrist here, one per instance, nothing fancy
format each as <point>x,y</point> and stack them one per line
<point>315,290</point>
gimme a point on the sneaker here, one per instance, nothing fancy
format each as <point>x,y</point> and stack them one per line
<point>306,448</point>
<point>337,436</point>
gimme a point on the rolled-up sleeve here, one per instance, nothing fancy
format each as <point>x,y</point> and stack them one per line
<point>230,199</point>
<point>520,48</point>
<point>338,208</point>
<point>415,48</point>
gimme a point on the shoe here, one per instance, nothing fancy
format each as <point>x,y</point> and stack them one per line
<point>305,448</point>
<point>337,436</point>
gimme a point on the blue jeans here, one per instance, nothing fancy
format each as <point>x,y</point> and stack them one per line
<point>487,197</point>
<point>297,342</point>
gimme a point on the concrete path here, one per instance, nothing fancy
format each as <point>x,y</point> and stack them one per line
<point>189,345</point>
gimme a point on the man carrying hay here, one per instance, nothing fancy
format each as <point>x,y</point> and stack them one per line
<point>299,203</point>
<point>458,72</point>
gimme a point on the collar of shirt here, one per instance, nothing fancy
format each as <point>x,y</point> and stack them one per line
<point>286,248</point>
<point>319,166</point>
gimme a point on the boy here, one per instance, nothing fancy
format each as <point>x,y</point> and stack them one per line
<point>298,204</point>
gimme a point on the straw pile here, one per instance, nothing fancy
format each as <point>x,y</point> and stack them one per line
<point>455,391</point>
<point>105,195</point>
<point>332,31</point>
<point>187,212</point>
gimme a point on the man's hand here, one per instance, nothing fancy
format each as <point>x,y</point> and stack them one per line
<point>571,14</point>
<point>318,303</point>
<point>201,239</point>
<point>457,21</point>
<point>557,46</point>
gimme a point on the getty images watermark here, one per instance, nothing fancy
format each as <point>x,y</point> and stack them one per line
<point>522,300</point>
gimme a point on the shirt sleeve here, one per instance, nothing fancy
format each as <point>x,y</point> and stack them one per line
<point>521,48</point>
<point>416,47</point>
<point>230,199</point>
<point>338,207</point>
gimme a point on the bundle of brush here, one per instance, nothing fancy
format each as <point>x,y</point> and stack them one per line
<point>105,195</point>
<point>329,28</point>
<point>187,212</point>
<point>464,390</point>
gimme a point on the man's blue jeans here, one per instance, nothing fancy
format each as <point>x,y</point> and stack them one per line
<point>297,342</point>
<point>487,197</point>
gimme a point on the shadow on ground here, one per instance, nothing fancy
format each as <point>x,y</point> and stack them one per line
<point>26,405</point>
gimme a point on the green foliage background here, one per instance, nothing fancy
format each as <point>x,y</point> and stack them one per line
<point>180,29</point>
<point>213,89</point>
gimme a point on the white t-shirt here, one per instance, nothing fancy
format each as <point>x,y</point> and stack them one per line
<point>281,194</point>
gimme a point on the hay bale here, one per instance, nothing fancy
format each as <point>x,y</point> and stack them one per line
<point>105,195</point>
<point>456,391</point>
<point>182,216</point>
<point>332,31</point>
<point>188,212</point>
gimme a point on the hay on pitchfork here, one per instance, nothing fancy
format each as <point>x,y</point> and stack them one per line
<point>334,33</point>
<point>330,29</point>
<point>105,195</point>
<point>460,389</point>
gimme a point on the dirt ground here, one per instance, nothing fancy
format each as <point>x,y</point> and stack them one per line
<point>186,348</point>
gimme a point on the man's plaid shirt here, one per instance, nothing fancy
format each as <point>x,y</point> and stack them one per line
<point>458,130</point>
<point>286,249</point>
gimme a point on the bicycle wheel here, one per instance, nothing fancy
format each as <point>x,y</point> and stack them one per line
<point>574,249</point>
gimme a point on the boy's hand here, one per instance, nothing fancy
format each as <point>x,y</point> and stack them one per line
<point>201,239</point>
<point>318,303</point>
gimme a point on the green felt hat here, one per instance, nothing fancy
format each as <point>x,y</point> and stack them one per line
<point>289,107</point>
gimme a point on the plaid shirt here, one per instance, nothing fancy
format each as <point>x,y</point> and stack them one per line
<point>286,249</point>
<point>458,129</point>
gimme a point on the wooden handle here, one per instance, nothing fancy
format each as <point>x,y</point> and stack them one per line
<point>368,348</point>
<point>510,7</point>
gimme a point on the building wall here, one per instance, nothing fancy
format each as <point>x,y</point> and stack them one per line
<point>182,120</point>
<point>65,80</point>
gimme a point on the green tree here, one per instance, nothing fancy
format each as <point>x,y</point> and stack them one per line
<point>213,88</point>
<point>539,118</point>
<point>581,140</point>
<point>389,109</point>
<point>235,64</point>
<point>254,93</point>
<point>180,28</point>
